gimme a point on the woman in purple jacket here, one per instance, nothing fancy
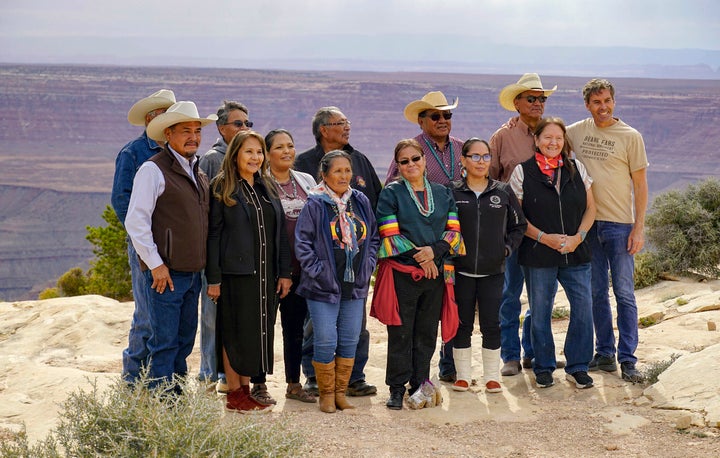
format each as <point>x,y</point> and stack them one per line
<point>336,240</point>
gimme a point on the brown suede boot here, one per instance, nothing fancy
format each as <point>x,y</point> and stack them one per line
<point>325,375</point>
<point>343,369</point>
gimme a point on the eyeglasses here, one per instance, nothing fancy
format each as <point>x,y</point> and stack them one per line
<point>533,98</point>
<point>478,157</point>
<point>436,116</point>
<point>407,161</point>
<point>338,123</point>
<point>239,123</point>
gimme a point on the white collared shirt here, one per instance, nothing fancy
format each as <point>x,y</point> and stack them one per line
<point>148,185</point>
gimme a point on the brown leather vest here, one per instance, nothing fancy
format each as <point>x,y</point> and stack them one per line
<point>180,218</point>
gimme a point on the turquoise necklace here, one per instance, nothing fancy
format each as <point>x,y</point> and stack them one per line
<point>429,206</point>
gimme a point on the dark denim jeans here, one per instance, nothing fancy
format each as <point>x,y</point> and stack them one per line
<point>173,319</point>
<point>542,286</point>
<point>135,356</point>
<point>608,242</point>
<point>510,309</point>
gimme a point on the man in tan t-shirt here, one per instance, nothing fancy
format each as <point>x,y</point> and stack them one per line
<point>614,155</point>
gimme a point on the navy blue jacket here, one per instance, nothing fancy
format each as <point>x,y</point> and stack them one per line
<point>314,250</point>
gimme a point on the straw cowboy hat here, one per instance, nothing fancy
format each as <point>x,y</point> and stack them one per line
<point>180,112</point>
<point>161,99</point>
<point>528,82</point>
<point>431,101</point>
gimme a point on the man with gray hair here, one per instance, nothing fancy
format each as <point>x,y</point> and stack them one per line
<point>332,132</point>
<point>232,117</point>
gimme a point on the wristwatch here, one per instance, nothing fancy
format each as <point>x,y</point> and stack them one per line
<point>583,234</point>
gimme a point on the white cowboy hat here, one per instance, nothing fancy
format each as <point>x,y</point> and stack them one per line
<point>527,82</point>
<point>431,101</point>
<point>184,111</point>
<point>161,99</point>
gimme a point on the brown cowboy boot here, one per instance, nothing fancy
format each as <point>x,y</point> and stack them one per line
<point>343,369</point>
<point>325,375</point>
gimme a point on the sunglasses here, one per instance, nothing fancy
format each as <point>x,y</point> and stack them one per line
<point>478,157</point>
<point>407,161</point>
<point>436,116</point>
<point>533,98</point>
<point>240,123</point>
<point>338,123</point>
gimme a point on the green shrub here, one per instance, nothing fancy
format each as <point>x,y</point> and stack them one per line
<point>49,293</point>
<point>646,321</point>
<point>684,229</point>
<point>72,282</point>
<point>139,422</point>
<point>647,269</point>
<point>560,313</point>
<point>653,371</point>
<point>109,273</point>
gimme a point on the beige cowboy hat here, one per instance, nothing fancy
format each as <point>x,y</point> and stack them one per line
<point>161,99</point>
<point>431,101</point>
<point>527,82</point>
<point>179,112</point>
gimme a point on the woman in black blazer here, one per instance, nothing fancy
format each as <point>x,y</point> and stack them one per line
<point>248,266</point>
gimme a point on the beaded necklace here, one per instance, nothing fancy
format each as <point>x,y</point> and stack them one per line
<point>294,186</point>
<point>429,205</point>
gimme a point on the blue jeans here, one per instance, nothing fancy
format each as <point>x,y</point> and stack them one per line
<point>362,351</point>
<point>208,353</point>
<point>608,242</point>
<point>173,319</point>
<point>510,309</point>
<point>542,287</point>
<point>336,328</point>
<point>135,356</point>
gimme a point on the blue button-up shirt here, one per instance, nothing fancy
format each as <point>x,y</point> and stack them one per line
<point>128,161</point>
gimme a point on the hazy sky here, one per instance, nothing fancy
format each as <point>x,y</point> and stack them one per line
<point>643,23</point>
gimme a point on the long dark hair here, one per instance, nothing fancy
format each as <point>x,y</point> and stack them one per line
<point>227,180</point>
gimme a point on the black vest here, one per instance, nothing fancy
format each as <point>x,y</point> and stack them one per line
<point>552,213</point>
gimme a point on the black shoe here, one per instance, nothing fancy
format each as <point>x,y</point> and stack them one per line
<point>544,379</point>
<point>311,386</point>
<point>449,378</point>
<point>580,379</point>
<point>602,363</point>
<point>631,374</point>
<point>395,402</point>
<point>360,388</point>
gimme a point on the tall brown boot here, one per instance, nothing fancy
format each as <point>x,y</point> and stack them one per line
<point>325,375</point>
<point>343,369</point>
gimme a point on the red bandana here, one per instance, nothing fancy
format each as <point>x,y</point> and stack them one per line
<point>548,164</point>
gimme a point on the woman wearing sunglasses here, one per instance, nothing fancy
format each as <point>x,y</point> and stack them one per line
<point>419,231</point>
<point>493,226</point>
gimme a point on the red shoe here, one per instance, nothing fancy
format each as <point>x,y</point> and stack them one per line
<point>461,385</point>
<point>493,387</point>
<point>238,401</point>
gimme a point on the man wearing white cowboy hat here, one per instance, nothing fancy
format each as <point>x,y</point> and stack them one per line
<point>442,151</point>
<point>167,221</point>
<point>129,159</point>
<point>510,145</point>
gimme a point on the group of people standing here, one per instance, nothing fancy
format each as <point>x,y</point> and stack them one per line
<point>455,231</point>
